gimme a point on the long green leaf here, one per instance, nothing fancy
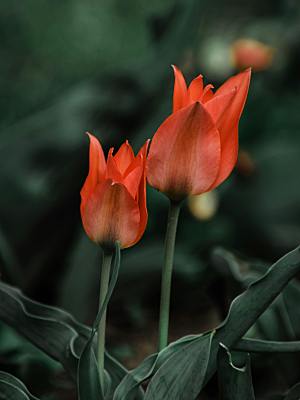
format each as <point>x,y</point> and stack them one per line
<point>235,381</point>
<point>247,307</point>
<point>267,346</point>
<point>51,329</point>
<point>128,388</point>
<point>11,388</point>
<point>182,375</point>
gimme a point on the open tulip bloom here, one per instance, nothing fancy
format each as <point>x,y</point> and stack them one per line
<point>192,152</point>
<point>196,147</point>
<point>113,197</point>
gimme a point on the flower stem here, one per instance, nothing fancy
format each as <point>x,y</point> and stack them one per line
<point>104,281</point>
<point>166,280</point>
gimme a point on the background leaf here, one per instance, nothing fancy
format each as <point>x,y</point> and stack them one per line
<point>13,388</point>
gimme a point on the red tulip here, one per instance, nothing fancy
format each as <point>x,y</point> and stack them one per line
<point>113,197</point>
<point>195,148</point>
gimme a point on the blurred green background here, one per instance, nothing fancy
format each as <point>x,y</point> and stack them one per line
<point>72,66</point>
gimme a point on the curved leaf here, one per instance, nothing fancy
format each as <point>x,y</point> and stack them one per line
<point>12,388</point>
<point>128,388</point>
<point>266,346</point>
<point>51,329</point>
<point>235,381</point>
<point>182,375</point>
<point>248,306</point>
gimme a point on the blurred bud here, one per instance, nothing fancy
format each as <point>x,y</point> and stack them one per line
<point>204,206</point>
<point>251,53</point>
<point>245,164</point>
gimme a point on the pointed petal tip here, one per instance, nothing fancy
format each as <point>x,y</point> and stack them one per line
<point>111,150</point>
<point>92,137</point>
<point>176,69</point>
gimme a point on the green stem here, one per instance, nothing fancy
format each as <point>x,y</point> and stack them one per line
<point>166,280</point>
<point>104,281</point>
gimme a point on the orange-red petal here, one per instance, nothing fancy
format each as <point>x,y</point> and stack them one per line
<point>219,105</point>
<point>124,157</point>
<point>111,214</point>
<point>97,167</point>
<point>113,171</point>
<point>184,155</point>
<point>133,179</point>
<point>180,93</point>
<point>142,193</point>
<point>228,125</point>
<point>208,94</point>
<point>196,89</point>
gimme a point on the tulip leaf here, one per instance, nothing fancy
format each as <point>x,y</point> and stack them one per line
<point>12,388</point>
<point>234,373</point>
<point>52,330</point>
<point>248,306</point>
<point>181,376</point>
<point>128,388</point>
<point>89,385</point>
<point>267,346</point>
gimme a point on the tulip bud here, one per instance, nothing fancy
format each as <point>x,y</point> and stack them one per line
<point>204,206</point>
<point>251,53</point>
<point>113,197</point>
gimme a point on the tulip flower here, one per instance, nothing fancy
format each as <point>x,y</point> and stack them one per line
<point>113,197</point>
<point>251,53</point>
<point>192,152</point>
<point>113,209</point>
<point>196,147</point>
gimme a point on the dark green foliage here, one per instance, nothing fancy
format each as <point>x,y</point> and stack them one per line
<point>234,373</point>
<point>12,388</point>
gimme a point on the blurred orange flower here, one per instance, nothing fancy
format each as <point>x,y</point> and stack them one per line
<point>113,197</point>
<point>195,149</point>
<point>251,53</point>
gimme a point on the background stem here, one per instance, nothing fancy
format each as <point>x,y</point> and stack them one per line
<point>166,280</point>
<point>104,281</point>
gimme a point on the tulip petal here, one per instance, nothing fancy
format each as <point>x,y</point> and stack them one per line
<point>208,94</point>
<point>97,167</point>
<point>113,171</point>
<point>132,180</point>
<point>184,155</point>
<point>124,157</point>
<point>218,105</point>
<point>196,88</point>
<point>142,192</point>
<point>228,125</point>
<point>180,94</point>
<point>111,214</point>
